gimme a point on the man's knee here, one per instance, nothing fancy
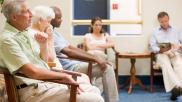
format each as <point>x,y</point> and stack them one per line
<point>163,59</point>
<point>84,76</point>
<point>83,79</point>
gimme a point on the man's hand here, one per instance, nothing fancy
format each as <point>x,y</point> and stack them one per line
<point>68,78</point>
<point>176,46</point>
<point>173,46</point>
<point>102,63</point>
<point>164,48</point>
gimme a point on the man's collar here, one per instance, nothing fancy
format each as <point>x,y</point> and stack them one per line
<point>12,29</point>
<point>160,28</point>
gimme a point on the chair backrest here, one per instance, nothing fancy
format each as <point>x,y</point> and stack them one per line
<point>82,46</point>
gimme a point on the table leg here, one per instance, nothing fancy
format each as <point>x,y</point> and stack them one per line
<point>133,79</point>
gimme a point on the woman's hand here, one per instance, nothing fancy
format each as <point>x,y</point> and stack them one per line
<point>41,38</point>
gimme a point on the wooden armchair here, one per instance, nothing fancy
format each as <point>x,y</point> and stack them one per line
<point>83,47</point>
<point>154,69</point>
<point>12,91</point>
<point>89,72</point>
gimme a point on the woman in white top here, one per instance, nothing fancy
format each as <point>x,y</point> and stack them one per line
<point>97,42</point>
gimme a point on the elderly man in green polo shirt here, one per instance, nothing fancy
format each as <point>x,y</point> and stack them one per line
<point>18,53</point>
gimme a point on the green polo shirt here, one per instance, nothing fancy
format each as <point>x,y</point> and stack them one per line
<point>17,49</point>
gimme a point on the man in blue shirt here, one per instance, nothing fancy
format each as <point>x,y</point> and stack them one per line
<point>100,69</point>
<point>165,42</point>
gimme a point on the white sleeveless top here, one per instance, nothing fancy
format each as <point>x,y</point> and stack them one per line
<point>95,41</point>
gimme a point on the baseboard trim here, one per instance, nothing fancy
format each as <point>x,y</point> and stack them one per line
<point>158,79</point>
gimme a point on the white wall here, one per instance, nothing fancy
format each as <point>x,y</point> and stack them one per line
<point>150,9</point>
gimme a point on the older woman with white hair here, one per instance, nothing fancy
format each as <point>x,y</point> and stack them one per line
<point>41,30</point>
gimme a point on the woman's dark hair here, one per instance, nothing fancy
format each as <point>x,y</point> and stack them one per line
<point>93,22</point>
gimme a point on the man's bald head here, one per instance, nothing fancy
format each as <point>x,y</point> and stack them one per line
<point>56,22</point>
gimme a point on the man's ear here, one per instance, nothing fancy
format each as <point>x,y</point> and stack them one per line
<point>40,20</point>
<point>13,17</point>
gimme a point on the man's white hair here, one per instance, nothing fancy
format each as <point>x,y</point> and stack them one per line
<point>10,7</point>
<point>42,12</point>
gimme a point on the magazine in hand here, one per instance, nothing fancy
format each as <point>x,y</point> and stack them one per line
<point>164,45</point>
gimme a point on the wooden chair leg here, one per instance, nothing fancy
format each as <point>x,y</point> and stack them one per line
<point>90,71</point>
<point>11,88</point>
<point>152,72</point>
<point>116,70</point>
<point>73,93</point>
<point>116,75</point>
<point>152,82</point>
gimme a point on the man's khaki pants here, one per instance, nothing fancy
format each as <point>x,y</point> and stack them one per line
<point>53,92</point>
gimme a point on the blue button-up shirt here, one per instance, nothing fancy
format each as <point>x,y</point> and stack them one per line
<point>160,35</point>
<point>60,43</point>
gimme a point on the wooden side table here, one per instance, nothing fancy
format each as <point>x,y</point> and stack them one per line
<point>133,80</point>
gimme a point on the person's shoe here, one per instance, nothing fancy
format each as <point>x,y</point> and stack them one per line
<point>175,93</point>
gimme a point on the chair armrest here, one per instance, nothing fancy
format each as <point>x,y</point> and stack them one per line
<point>58,56</point>
<point>61,82</point>
<point>50,80</point>
<point>68,72</point>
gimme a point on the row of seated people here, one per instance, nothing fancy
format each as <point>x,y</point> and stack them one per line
<point>27,52</point>
<point>165,42</point>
